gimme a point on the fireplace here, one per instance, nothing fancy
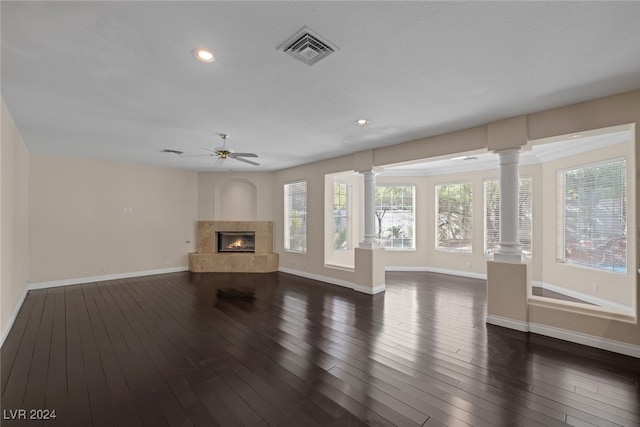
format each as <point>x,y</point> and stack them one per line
<point>236,241</point>
<point>218,248</point>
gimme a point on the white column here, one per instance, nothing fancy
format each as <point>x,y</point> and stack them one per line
<point>369,240</point>
<point>510,249</point>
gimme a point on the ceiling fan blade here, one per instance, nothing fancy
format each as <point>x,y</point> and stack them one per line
<point>245,155</point>
<point>246,161</point>
<point>199,155</point>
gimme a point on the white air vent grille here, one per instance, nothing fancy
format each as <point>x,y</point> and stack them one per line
<point>307,47</point>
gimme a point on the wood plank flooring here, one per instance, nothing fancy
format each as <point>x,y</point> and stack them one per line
<point>274,349</point>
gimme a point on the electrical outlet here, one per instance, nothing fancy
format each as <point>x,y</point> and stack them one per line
<point>103,268</point>
<point>594,287</point>
<point>469,265</point>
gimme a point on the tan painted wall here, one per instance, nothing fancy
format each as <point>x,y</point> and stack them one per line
<point>313,261</point>
<point>450,143</point>
<point>14,214</point>
<point>600,113</point>
<point>78,227</point>
<point>209,184</point>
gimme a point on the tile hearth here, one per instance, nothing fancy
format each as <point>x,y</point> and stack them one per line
<point>208,259</point>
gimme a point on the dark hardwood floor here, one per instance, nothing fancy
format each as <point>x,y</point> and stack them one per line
<point>275,349</point>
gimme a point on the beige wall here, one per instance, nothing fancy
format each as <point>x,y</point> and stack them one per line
<point>211,184</point>
<point>78,226</point>
<point>311,262</point>
<point>599,113</point>
<point>14,172</point>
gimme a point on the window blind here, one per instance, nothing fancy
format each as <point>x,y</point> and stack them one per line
<point>592,215</point>
<point>295,212</point>
<point>454,217</point>
<point>492,215</point>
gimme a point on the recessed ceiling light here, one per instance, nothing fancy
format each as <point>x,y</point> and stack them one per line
<point>362,122</point>
<point>203,55</point>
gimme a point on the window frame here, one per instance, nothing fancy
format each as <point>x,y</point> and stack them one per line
<point>469,217</point>
<point>346,217</point>
<point>288,196</point>
<point>412,230</point>
<point>562,249</point>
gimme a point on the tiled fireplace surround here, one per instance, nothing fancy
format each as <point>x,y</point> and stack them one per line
<point>208,259</point>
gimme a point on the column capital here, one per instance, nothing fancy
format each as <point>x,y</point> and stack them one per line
<point>371,172</point>
<point>509,156</point>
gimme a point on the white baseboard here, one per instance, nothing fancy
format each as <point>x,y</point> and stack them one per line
<point>566,335</point>
<point>583,297</point>
<point>104,278</point>
<point>13,317</point>
<point>584,339</point>
<point>333,281</point>
<point>508,323</point>
<point>461,273</point>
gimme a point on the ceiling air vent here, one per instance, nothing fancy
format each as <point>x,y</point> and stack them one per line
<point>169,150</point>
<point>307,47</point>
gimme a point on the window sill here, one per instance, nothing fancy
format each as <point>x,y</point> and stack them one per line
<point>400,249</point>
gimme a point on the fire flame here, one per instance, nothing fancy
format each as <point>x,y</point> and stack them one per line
<point>236,244</point>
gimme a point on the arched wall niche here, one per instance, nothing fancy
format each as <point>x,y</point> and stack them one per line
<point>236,200</point>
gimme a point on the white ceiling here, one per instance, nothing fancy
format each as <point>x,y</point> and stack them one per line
<point>117,80</point>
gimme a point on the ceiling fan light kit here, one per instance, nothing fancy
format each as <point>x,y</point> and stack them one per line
<point>228,153</point>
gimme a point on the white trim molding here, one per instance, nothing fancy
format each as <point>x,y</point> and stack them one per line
<point>584,339</point>
<point>14,316</point>
<point>106,277</point>
<point>508,323</point>
<point>566,335</point>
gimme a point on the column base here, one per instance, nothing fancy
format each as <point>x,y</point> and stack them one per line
<point>507,257</point>
<point>366,244</point>
<point>507,293</point>
<point>369,274</point>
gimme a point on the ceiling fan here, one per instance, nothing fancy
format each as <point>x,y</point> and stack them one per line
<point>227,153</point>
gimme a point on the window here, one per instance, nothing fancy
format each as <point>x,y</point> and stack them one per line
<point>492,215</point>
<point>341,216</point>
<point>454,217</point>
<point>592,216</point>
<point>395,206</point>
<point>295,217</point>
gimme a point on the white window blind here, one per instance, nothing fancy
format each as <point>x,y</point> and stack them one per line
<point>395,219</point>
<point>341,216</point>
<point>492,215</point>
<point>454,217</point>
<point>295,216</point>
<point>592,216</point>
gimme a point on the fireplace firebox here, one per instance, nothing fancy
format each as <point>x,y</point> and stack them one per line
<point>236,241</point>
